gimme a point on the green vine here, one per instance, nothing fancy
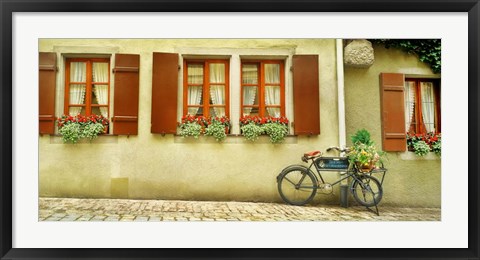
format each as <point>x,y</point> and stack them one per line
<point>427,50</point>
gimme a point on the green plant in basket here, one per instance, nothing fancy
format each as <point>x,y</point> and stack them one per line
<point>364,153</point>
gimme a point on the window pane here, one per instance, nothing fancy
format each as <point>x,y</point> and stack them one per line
<point>410,106</point>
<point>100,94</point>
<point>272,73</point>
<point>73,111</point>
<point>272,95</point>
<point>428,105</point>
<point>195,73</point>
<point>217,111</point>
<point>194,95</point>
<point>77,94</point>
<point>217,73</point>
<point>78,72</point>
<point>100,72</point>
<point>250,95</point>
<point>250,111</point>
<point>100,111</point>
<point>249,74</point>
<point>195,111</point>
<point>273,111</point>
<point>217,94</point>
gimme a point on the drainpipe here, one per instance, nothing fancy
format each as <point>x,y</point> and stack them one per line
<point>342,139</point>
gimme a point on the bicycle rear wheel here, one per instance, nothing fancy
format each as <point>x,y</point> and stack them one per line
<point>367,191</point>
<point>297,186</point>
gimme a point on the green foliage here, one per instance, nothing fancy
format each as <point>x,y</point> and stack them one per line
<point>276,131</point>
<point>252,131</point>
<point>91,131</point>
<point>190,129</point>
<point>217,130</point>
<point>437,148</point>
<point>362,136</point>
<point>421,148</point>
<point>427,50</point>
<point>71,133</point>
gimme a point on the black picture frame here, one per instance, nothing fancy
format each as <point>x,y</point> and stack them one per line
<point>8,7</point>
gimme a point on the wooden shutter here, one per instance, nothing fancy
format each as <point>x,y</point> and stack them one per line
<point>306,95</point>
<point>125,112</point>
<point>46,92</point>
<point>392,100</point>
<point>164,93</point>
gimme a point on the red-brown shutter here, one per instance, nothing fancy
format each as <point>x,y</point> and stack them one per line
<point>46,92</point>
<point>306,99</point>
<point>125,112</point>
<point>164,93</point>
<point>393,111</point>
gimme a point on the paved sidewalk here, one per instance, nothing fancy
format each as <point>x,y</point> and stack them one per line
<point>66,209</point>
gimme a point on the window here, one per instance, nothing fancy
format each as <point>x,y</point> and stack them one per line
<point>87,86</point>
<point>263,88</point>
<point>206,88</point>
<point>422,106</point>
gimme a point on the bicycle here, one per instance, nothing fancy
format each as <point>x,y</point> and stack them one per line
<point>298,184</point>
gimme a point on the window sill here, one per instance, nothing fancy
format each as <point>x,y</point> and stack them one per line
<point>231,139</point>
<point>411,156</point>
<point>101,139</point>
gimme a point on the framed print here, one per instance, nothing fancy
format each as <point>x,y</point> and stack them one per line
<point>168,88</point>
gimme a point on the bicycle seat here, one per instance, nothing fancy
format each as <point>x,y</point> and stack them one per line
<point>312,154</point>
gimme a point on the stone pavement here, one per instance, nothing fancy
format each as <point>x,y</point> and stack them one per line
<point>68,209</point>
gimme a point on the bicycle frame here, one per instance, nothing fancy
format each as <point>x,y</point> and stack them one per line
<point>350,171</point>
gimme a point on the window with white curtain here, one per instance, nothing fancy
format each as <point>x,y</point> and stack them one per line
<point>263,88</point>
<point>87,86</point>
<point>422,106</point>
<point>206,87</point>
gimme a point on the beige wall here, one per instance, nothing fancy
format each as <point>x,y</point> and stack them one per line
<point>170,167</point>
<point>410,181</point>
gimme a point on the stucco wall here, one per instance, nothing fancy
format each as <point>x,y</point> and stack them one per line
<point>410,181</point>
<point>170,167</point>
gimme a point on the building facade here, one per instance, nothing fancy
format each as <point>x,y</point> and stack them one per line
<point>146,86</point>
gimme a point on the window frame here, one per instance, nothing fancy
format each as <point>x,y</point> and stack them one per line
<point>262,107</point>
<point>419,127</point>
<point>88,85</point>
<point>206,85</point>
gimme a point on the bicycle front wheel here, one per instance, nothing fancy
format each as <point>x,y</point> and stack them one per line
<point>367,190</point>
<point>297,186</point>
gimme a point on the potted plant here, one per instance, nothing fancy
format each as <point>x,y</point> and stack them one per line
<point>191,126</point>
<point>74,128</point>
<point>363,154</point>
<point>218,127</point>
<point>276,128</point>
<point>250,127</point>
<point>422,144</point>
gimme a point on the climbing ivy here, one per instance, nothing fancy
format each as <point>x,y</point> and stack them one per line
<point>427,50</point>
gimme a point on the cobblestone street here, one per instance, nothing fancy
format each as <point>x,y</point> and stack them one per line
<point>67,209</point>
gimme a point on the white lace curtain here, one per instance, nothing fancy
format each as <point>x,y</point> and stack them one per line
<point>409,103</point>
<point>272,93</point>
<point>217,89</point>
<point>100,75</point>
<point>195,76</point>
<point>78,73</point>
<point>249,76</point>
<point>428,105</point>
